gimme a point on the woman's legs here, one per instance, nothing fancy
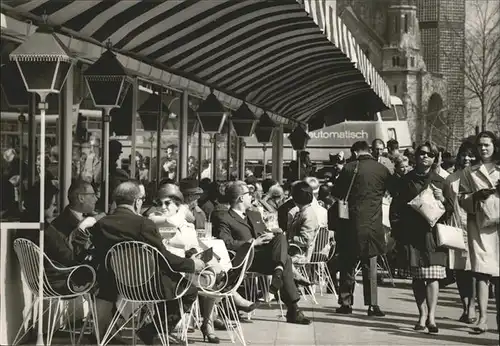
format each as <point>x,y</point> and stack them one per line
<point>432,291</point>
<point>482,283</point>
<point>418,286</point>
<point>206,310</point>
<point>466,289</point>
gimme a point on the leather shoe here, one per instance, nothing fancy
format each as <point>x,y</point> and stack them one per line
<point>297,317</point>
<point>344,309</point>
<point>219,325</point>
<point>276,282</point>
<point>374,310</point>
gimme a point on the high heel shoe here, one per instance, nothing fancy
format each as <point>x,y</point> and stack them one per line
<point>248,308</point>
<point>209,335</point>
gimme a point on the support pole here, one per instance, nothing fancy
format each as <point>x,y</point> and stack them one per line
<point>22,173</point>
<point>65,139</point>
<point>241,158</point>
<point>183,136</point>
<point>135,96</point>
<point>158,139</point>
<point>228,154</point>
<point>278,155</point>
<point>214,157</point>
<point>264,149</point>
<point>200,151</point>
<point>105,157</point>
<point>43,107</point>
<point>32,140</point>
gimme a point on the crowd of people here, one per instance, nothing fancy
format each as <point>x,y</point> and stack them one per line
<point>364,205</point>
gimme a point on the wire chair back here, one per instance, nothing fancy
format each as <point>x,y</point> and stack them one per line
<point>235,275</point>
<point>322,246</point>
<point>136,269</point>
<point>28,254</point>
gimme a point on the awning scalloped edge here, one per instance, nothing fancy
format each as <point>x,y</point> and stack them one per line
<point>39,58</point>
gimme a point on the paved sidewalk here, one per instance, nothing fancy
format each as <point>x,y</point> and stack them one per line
<point>329,328</point>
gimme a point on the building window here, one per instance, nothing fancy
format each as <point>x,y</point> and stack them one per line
<point>393,61</point>
<point>406,23</point>
<point>395,89</point>
<point>398,63</point>
<point>412,61</point>
<point>396,25</point>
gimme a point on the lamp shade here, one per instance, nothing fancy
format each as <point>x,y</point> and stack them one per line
<point>149,111</point>
<point>244,121</point>
<point>211,115</point>
<point>264,130</point>
<point>299,138</point>
<point>107,81</point>
<point>43,62</point>
<point>13,86</point>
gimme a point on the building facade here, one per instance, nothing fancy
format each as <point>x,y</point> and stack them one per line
<point>410,55</point>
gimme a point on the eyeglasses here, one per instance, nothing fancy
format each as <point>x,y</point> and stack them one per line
<point>160,203</point>
<point>426,153</point>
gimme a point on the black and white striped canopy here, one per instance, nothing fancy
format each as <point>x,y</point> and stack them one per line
<point>293,57</point>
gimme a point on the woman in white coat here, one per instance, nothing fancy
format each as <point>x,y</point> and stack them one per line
<point>459,261</point>
<point>480,197</point>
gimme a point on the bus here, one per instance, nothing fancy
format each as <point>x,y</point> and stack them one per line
<point>386,125</point>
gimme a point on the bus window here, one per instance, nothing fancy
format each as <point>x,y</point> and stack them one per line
<point>391,133</point>
<point>388,115</point>
<point>400,111</point>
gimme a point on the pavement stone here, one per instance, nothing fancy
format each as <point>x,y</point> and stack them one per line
<point>266,328</point>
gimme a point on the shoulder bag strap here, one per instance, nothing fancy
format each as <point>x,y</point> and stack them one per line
<point>352,181</point>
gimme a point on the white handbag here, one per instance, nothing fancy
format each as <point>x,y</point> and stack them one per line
<point>428,206</point>
<point>451,237</point>
<point>343,205</point>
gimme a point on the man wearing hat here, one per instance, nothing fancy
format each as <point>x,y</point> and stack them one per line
<point>192,193</point>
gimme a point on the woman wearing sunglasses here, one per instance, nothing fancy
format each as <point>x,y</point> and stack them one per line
<point>418,255</point>
<point>479,196</point>
<point>173,214</point>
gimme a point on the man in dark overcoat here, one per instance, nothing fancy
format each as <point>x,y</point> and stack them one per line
<point>363,183</point>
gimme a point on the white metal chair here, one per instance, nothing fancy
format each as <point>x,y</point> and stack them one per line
<point>28,254</point>
<point>255,282</point>
<point>136,269</point>
<point>315,266</point>
<point>384,267</point>
<point>229,315</point>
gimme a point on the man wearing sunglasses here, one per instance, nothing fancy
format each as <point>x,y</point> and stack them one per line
<point>240,225</point>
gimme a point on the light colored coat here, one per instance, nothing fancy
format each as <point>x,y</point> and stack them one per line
<point>458,260</point>
<point>484,241</point>
<point>303,228</point>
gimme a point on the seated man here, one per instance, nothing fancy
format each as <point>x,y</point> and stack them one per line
<point>126,224</point>
<point>304,225</point>
<point>75,218</point>
<point>239,226</point>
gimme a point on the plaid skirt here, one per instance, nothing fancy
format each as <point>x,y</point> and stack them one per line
<point>431,272</point>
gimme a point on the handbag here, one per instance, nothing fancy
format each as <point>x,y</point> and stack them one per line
<point>343,205</point>
<point>428,206</point>
<point>451,237</point>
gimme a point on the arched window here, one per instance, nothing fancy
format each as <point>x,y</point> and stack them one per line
<point>406,23</point>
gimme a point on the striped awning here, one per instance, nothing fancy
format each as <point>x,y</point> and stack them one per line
<point>292,57</point>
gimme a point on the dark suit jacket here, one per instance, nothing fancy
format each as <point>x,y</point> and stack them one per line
<point>283,213</point>
<point>234,230</point>
<point>125,225</point>
<point>66,222</point>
